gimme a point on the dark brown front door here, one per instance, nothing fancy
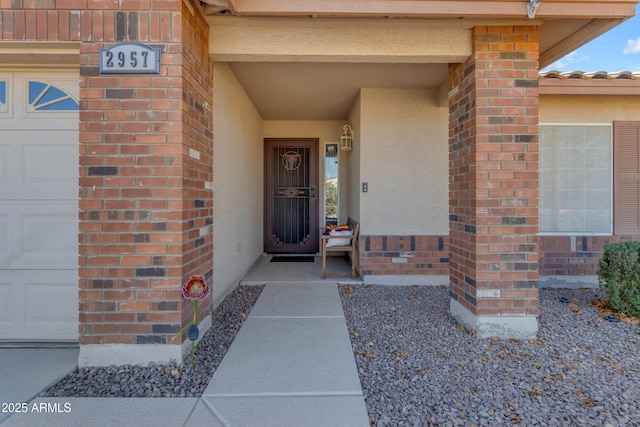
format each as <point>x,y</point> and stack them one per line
<point>291,196</point>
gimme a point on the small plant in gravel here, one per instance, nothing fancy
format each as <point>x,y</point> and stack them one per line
<point>619,276</point>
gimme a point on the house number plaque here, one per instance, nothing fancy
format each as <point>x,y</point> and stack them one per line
<point>130,58</point>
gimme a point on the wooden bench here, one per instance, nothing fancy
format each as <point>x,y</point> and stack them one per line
<point>349,245</point>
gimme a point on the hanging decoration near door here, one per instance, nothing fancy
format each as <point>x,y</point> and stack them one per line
<point>291,160</point>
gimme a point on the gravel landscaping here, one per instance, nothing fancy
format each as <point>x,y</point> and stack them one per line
<point>166,380</point>
<point>418,367</point>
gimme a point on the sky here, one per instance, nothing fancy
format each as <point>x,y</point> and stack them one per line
<point>616,50</point>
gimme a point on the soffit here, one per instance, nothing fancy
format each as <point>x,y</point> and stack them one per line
<point>312,69</point>
<point>325,91</point>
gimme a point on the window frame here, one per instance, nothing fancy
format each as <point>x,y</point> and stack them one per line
<point>611,187</point>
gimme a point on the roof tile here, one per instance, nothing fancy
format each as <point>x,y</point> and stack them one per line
<point>619,75</point>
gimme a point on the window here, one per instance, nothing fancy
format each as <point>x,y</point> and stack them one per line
<point>576,179</point>
<point>331,184</point>
<point>3,96</point>
<point>3,92</point>
<point>45,97</point>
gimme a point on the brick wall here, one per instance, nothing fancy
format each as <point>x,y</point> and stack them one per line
<point>197,96</point>
<point>429,255</point>
<point>145,162</point>
<point>130,187</point>
<point>145,176</point>
<point>44,20</point>
<point>574,255</point>
<point>389,255</point>
<point>493,171</point>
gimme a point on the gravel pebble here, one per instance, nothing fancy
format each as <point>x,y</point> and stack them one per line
<point>170,380</point>
<point>418,367</point>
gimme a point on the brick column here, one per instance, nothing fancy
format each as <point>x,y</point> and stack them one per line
<point>493,183</point>
<point>145,183</point>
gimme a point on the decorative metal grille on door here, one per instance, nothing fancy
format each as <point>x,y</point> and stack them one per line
<point>292,200</point>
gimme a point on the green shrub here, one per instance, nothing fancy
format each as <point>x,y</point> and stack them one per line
<point>619,275</point>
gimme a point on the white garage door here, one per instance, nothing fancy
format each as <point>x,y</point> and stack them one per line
<point>38,206</point>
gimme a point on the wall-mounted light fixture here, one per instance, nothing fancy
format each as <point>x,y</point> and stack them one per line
<point>346,140</point>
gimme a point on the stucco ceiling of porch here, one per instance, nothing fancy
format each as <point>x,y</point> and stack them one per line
<point>326,91</point>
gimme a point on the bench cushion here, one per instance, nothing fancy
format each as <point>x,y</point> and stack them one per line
<point>339,242</point>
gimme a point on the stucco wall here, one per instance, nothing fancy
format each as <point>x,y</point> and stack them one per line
<point>404,159</point>
<point>588,108</point>
<point>353,163</point>
<point>333,40</point>
<point>238,183</point>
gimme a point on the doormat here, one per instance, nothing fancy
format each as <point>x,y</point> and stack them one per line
<point>292,259</point>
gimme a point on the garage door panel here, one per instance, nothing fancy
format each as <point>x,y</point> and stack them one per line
<point>6,303</point>
<point>4,164</point>
<point>48,167</point>
<point>41,164</point>
<point>48,236</point>
<point>38,308</point>
<point>45,306</point>
<point>5,253</point>
<point>38,235</point>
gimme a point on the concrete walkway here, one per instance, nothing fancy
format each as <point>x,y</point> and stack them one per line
<point>291,364</point>
<point>26,371</point>
<point>265,271</point>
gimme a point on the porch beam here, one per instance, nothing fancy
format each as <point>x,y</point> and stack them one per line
<point>433,8</point>
<point>234,39</point>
